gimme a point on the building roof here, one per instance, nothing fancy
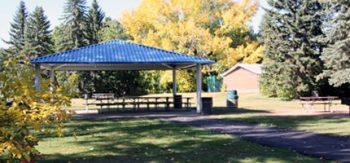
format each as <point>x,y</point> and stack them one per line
<point>118,55</point>
<point>254,68</point>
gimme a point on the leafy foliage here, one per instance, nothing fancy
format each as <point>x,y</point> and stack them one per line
<point>291,61</point>
<point>337,55</point>
<point>24,111</point>
<point>209,28</point>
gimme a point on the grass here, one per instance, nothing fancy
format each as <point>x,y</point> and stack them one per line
<point>137,140</point>
<point>255,109</point>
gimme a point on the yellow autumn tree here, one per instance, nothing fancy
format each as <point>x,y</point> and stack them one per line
<point>204,28</point>
<point>25,112</point>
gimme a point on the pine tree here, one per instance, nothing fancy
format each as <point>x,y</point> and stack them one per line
<point>112,29</point>
<point>38,35</point>
<point>291,62</point>
<point>337,55</point>
<point>17,38</point>
<point>94,22</point>
<point>74,25</point>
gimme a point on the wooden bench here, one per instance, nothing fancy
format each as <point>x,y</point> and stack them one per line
<point>307,103</point>
<point>107,100</point>
<point>98,98</point>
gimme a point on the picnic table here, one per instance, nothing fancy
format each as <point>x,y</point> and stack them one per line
<point>134,102</point>
<point>309,102</point>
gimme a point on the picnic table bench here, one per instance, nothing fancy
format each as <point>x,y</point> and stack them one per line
<point>309,102</point>
<point>133,102</point>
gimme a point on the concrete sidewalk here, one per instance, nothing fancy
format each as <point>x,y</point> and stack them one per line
<point>317,145</point>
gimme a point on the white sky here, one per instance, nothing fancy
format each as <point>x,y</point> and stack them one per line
<point>53,9</point>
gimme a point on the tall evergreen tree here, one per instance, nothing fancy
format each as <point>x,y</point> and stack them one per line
<point>94,22</point>
<point>291,62</point>
<point>17,38</point>
<point>112,29</point>
<point>38,35</point>
<point>337,55</point>
<point>74,25</point>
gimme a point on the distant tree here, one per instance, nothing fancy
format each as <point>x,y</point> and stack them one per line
<point>292,56</point>
<point>337,55</point>
<point>74,26</point>
<point>17,30</point>
<point>2,58</point>
<point>38,35</point>
<point>118,82</point>
<point>112,29</point>
<point>95,18</point>
<point>213,29</point>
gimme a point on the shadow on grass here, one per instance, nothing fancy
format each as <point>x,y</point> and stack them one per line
<point>156,141</point>
<point>224,110</point>
<point>325,124</point>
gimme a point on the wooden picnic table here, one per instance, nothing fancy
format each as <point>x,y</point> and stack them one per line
<point>136,102</point>
<point>309,102</point>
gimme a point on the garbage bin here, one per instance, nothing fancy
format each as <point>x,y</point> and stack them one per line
<point>232,99</point>
<point>178,102</point>
<point>207,103</point>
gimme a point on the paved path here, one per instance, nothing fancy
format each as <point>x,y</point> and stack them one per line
<point>317,145</point>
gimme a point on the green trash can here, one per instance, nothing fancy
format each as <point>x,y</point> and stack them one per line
<point>232,99</point>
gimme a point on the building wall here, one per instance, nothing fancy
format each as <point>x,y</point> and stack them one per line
<point>242,80</point>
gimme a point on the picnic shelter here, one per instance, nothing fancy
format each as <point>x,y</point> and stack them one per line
<point>121,55</point>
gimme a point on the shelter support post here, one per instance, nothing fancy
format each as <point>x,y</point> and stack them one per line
<point>52,78</point>
<point>37,81</point>
<point>199,88</point>
<point>174,82</point>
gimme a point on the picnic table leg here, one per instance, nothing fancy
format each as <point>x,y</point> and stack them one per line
<point>123,103</point>
<point>86,104</point>
<point>156,106</point>
<point>188,104</point>
<point>134,104</point>
<point>167,104</point>
<point>148,104</point>
<point>310,107</point>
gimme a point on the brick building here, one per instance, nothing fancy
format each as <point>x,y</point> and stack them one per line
<point>242,77</point>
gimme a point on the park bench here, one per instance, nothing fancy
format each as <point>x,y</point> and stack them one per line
<point>107,101</point>
<point>307,103</point>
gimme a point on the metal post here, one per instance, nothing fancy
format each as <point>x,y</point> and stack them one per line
<point>37,77</point>
<point>52,78</point>
<point>174,82</point>
<point>199,89</point>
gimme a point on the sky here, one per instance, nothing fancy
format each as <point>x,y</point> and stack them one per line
<point>53,9</point>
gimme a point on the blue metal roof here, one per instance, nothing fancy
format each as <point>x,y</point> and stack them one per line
<point>119,52</point>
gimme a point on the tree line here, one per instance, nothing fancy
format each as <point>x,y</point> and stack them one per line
<point>303,44</point>
<point>307,48</point>
<point>31,37</point>
<point>213,29</point>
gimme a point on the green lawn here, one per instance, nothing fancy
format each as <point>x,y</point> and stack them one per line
<point>254,109</point>
<point>155,141</point>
